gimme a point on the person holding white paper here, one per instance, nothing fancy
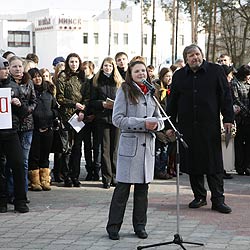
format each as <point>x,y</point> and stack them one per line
<point>105,84</point>
<point>10,146</point>
<point>136,114</point>
<point>69,96</point>
<point>25,131</point>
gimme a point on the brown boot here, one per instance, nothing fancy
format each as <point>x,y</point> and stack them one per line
<point>45,178</point>
<point>35,183</point>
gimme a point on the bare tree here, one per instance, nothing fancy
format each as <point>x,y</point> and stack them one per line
<point>174,38</point>
<point>235,30</point>
<point>153,35</point>
<point>110,21</point>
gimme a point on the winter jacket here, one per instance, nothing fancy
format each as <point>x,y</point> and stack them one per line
<point>17,112</point>
<point>28,97</point>
<point>136,152</point>
<point>197,99</point>
<point>69,92</point>
<point>46,109</point>
<point>106,87</point>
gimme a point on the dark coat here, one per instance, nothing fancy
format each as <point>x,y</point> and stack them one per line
<point>68,93</point>
<point>106,87</point>
<point>28,97</point>
<point>197,100</point>
<point>46,109</point>
<point>18,112</point>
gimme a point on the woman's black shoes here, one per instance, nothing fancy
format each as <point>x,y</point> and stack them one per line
<point>21,206</point>
<point>67,182</point>
<point>76,182</point>
<point>142,234</point>
<point>196,203</point>
<point>106,185</point>
<point>114,235</point>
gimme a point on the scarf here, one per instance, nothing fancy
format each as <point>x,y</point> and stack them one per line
<point>165,93</point>
<point>143,88</point>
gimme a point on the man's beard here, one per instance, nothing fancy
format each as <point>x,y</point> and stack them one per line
<point>196,66</point>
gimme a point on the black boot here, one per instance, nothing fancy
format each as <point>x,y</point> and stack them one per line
<point>96,177</point>
<point>3,205</point>
<point>21,206</point>
<point>76,182</point>
<point>89,177</point>
<point>67,182</point>
<point>57,177</point>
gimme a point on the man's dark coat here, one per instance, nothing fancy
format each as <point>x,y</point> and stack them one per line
<point>195,102</point>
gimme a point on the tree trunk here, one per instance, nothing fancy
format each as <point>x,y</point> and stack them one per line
<point>173,32</point>
<point>192,20</point>
<point>196,22</point>
<point>109,12</point>
<point>214,30</point>
<point>209,30</point>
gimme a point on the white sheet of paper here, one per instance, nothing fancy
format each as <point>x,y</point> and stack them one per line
<point>163,118</point>
<point>5,108</point>
<point>76,125</point>
<point>109,101</point>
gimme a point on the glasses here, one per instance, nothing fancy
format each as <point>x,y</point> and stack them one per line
<point>223,60</point>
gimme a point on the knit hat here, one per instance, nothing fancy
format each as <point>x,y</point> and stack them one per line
<point>58,60</point>
<point>33,72</point>
<point>3,63</point>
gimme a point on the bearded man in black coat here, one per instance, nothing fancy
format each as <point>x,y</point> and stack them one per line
<point>199,93</point>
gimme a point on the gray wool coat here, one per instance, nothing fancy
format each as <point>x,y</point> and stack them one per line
<point>136,152</point>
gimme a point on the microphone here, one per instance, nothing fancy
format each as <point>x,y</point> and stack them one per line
<point>150,86</point>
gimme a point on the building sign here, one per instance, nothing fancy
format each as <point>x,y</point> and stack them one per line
<point>59,23</point>
<point>5,108</point>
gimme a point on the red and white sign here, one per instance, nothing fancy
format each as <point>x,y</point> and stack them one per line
<point>5,108</point>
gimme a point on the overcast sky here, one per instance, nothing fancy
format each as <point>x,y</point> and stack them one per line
<point>30,5</point>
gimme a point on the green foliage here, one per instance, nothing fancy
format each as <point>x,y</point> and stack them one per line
<point>123,5</point>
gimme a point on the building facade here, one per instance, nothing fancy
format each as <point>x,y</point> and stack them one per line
<point>53,32</point>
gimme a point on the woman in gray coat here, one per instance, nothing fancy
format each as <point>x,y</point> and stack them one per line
<point>136,114</point>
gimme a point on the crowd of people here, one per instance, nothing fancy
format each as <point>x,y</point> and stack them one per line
<point>124,141</point>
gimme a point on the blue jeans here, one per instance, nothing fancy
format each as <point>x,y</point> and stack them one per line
<point>25,140</point>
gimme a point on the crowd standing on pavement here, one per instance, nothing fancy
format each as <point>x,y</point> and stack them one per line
<point>44,101</point>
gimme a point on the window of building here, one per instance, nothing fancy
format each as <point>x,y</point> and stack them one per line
<point>115,38</point>
<point>96,38</point>
<point>85,38</point>
<point>125,38</point>
<point>182,40</point>
<point>18,39</point>
<point>145,39</point>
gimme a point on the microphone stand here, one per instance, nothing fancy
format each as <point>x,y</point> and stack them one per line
<point>177,237</point>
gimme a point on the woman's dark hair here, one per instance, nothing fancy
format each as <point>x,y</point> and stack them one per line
<point>67,68</point>
<point>242,72</point>
<point>128,87</point>
<point>163,72</point>
<point>6,53</point>
<point>34,72</point>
